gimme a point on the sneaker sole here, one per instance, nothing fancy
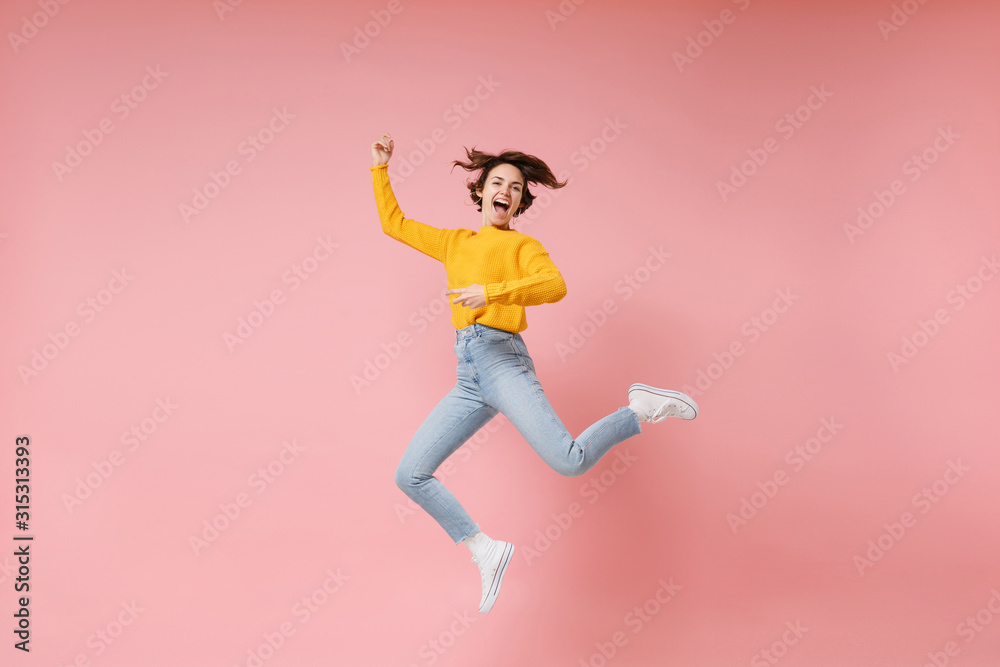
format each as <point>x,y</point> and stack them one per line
<point>491,597</point>
<point>669,393</point>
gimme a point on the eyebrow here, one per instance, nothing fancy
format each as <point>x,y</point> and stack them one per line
<point>501,178</point>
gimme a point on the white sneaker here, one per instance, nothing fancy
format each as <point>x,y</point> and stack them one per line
<point>492,569</point>
<point>654,405</point>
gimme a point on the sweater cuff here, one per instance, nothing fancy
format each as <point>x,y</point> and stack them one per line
<point>380,166</point>
<point>492,292</point>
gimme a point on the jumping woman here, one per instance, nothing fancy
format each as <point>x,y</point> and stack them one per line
<point>495,273</point>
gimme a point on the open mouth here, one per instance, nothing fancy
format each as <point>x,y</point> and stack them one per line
<point>500,207</point>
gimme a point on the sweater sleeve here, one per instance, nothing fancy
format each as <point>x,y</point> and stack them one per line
<point>429,240</point>
<point>542,283</point>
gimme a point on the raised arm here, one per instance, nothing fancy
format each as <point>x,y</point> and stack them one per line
<point>429,240</point>
<point>543,284</point>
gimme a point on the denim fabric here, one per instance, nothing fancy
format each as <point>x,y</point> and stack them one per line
<point>496,374</point>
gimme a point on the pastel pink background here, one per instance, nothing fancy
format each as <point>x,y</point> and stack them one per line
<point>334,507</point>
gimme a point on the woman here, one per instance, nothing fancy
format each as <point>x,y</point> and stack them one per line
<point>495,273</point>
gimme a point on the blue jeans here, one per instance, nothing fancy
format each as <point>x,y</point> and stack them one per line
<point>496,374</point>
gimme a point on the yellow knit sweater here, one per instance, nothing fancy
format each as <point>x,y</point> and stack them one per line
<point>514,268</point>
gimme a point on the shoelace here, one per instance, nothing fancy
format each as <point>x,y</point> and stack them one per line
<point>670,408</point>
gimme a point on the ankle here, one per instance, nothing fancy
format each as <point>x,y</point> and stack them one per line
<point>479,544</point>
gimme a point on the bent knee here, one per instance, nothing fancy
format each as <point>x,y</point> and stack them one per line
<point>404,478</point>
<point>570,470</point>
<point>409,479</point>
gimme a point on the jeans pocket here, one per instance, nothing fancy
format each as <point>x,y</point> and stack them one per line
<point>494,337</point>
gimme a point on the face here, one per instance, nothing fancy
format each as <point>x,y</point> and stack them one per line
<point>504,184</point>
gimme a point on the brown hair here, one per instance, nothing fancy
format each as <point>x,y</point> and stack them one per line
<point>532,170</point>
